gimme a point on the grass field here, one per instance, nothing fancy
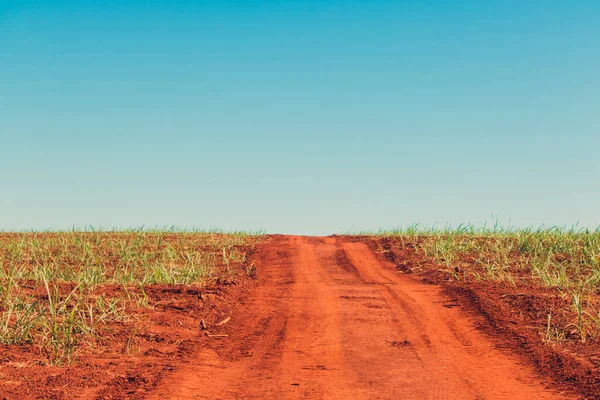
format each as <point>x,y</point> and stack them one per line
<point>60,291</point>
<point>565,260</point>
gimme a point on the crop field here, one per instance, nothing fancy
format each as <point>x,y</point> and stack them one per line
<point>91,310</point>
<point>538,287</point>
<point>454,313</point>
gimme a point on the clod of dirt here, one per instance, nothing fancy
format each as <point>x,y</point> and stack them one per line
<point>402,343</point>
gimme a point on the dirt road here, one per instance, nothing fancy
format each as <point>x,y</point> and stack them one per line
<point>330,321</point>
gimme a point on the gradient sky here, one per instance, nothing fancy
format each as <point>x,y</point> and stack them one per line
<point>309,117</point>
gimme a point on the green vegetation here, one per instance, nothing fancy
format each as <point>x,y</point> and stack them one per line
<point>564,259</point>
<point>554,257</point>
<point>57,289</point>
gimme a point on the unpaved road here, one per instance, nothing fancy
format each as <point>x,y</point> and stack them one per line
<point>330,321</point>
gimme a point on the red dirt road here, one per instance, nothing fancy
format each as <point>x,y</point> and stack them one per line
<point>330,321</point>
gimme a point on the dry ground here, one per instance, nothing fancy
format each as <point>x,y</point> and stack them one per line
<point>305,317</point>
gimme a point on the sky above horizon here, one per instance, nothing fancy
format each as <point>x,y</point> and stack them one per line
<point>299,117</point>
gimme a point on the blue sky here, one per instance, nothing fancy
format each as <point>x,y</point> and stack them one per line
<point>298,117</point>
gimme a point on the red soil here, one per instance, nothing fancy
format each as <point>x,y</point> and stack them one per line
<point>325,318</point>
<point>329,320</point>
<point>136,356</point>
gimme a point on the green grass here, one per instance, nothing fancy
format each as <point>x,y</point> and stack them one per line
<point>564,259</point>
<point>52,283</point>
<point>554,257</point>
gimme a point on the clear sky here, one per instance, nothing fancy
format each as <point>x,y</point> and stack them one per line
<point>309,117</point>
